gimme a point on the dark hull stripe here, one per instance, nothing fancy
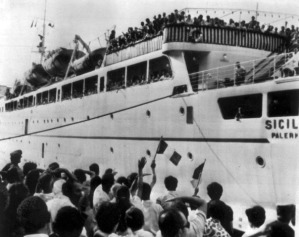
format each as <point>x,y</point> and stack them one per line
<point>175,139</point>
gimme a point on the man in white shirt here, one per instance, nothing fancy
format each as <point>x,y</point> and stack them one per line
<point>102,192</point>
<point>171,184</point>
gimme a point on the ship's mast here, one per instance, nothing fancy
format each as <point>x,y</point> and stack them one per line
<point>257,11</point>
<point>42,49</point>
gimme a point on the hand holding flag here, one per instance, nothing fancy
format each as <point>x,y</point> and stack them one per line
<point>196,177</point>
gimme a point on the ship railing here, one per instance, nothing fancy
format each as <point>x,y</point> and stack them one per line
<point>224,36</point>
<point>254,71</point>
<point>134,50</point>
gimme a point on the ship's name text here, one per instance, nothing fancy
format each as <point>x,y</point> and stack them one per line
<point>282,124</point>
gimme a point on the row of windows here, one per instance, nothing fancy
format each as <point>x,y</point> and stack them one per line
<point>159,69</point>
<point>280,104</point>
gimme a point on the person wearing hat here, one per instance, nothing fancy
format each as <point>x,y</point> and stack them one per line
<point>15,159</point>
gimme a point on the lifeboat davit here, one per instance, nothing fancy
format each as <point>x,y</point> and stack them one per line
<point>57,62</point>
<point>89,62</point>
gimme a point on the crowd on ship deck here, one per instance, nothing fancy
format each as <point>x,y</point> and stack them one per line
<point>149,29</point>
<point>56,202</point>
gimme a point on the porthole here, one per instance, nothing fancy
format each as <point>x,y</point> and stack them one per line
<point>148,152</point>
<point>111,149</point>
<point>260,161</point>
<point>148,113</point>
<point>182,110</point>
<point>190,156</point>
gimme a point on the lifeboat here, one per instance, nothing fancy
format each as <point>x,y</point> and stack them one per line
<point>89,62</point>
<point>37,76</point>
<point>57,62</point>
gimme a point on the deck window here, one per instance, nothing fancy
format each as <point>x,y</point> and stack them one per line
<point>102,84</point>
<point>238,107</point>
<point>52,96</point>
<point>66,92</point>
<point>283,103</point>
<point>78,89</point>
<point>15,105</point>
<point>116,79</point>
<point>8,106</point>
<point>30,101</point>
<point>26,102</point>
<point>39,99</point>
<point>21,104</point>
<point>45,97</point>
<point>159,69</point>
<point>136,74</point>
<point>91,84</point>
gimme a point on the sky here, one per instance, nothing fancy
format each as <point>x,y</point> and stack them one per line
<point>91,19</point>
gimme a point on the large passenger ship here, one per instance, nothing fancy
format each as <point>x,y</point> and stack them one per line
<point>186,92</point>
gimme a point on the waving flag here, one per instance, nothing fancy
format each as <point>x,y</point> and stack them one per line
<point>168,152</point>
<point>196,177</point>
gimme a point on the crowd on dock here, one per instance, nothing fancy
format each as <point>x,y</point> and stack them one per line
<point>59,203</point>
<point>152,28</point>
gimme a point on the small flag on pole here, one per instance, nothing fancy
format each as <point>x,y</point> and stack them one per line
<point>196,177</point>
<point>168,152</point>
<point>162,146</point>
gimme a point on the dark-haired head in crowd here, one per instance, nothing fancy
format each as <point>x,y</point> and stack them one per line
<point>171,184</point>
<point>174,221</point>
<point>123,204</point>
<point>73,190</point>
<point>17,193</point>
<point>94,167</point>
<point>31,180</point>
<point>69,222</point>
<point>135,221</point>
<point>123,181</point>
<point>256,216</point>
<point>107,219</point>
<point>80,175</point>
<point>94,183</point>
<point>215,191</point>
<point>28,166</point>
<point>34,216</point>
<point>217,211</point>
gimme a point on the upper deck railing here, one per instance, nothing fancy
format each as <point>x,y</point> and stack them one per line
<point>210,35</point>
<point>225,36</point>
<point>249,72</point>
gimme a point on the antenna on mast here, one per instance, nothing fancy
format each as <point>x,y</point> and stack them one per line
<point>257,11</point>
<point>42,48</point>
